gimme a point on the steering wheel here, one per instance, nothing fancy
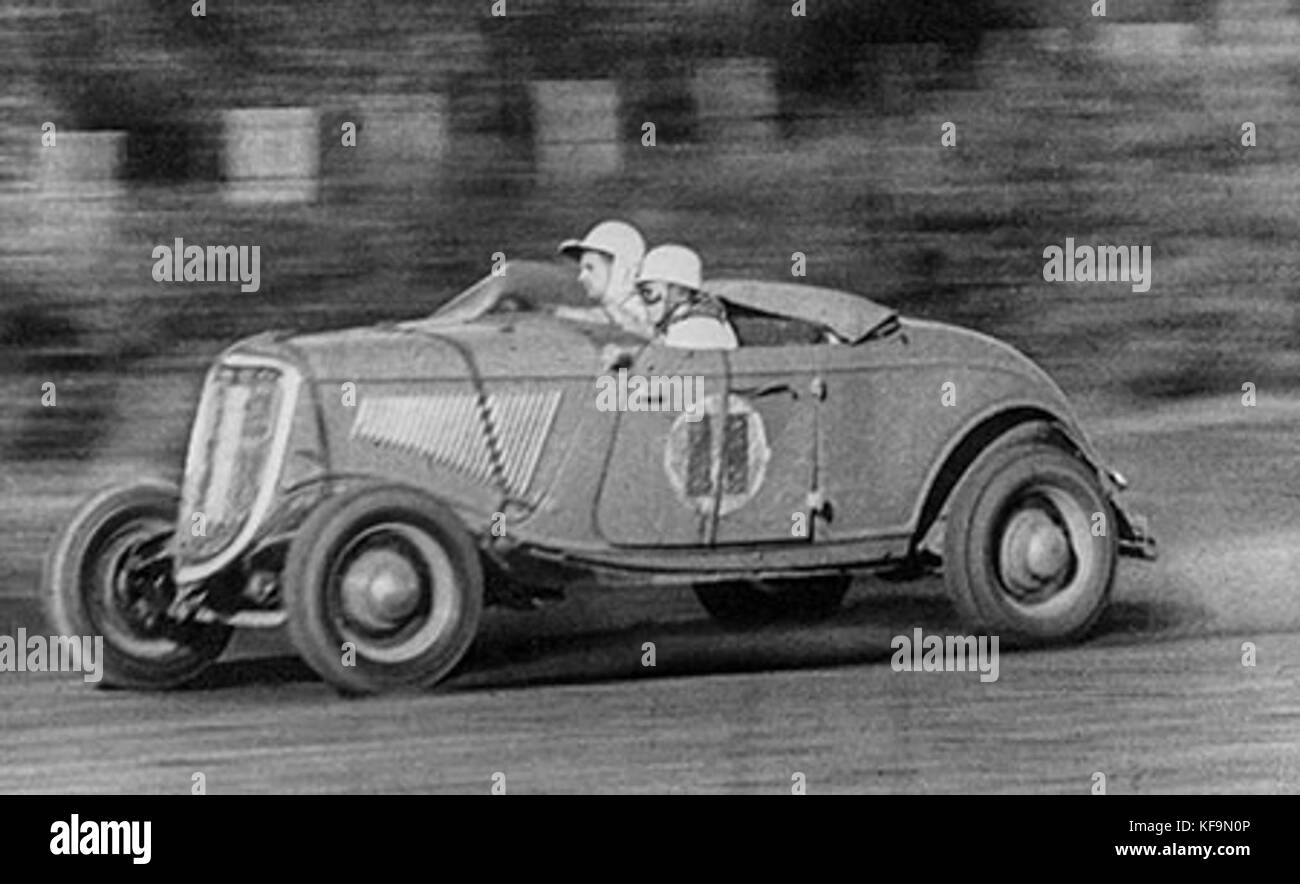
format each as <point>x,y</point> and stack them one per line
<point>513,304</point>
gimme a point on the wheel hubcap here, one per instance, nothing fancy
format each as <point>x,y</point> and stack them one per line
<point>396,593</point>
<point>381,589</point>
<point>1035,552</point>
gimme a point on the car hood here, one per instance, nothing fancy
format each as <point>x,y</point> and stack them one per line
<point>528,346</point>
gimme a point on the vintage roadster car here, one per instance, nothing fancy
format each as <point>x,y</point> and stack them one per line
<point>373,489</point>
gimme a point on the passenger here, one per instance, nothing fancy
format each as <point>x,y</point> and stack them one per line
<point>670,285</point>
<point>609,257</point>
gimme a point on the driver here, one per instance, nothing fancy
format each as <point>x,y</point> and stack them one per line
<point>608,259</point>
<point>670,286</point>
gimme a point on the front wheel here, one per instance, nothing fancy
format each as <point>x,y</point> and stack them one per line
<point>1031,545</point>
<point>384,590</point>
<point>109,575</point>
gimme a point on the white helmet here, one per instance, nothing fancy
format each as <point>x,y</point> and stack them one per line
<point>624,246</point>
<point>617,239</point>
<point>673,264</point>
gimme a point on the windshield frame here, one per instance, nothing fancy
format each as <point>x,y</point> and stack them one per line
<point>542,286</point>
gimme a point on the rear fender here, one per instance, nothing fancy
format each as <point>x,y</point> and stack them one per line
<point>1018,424</point>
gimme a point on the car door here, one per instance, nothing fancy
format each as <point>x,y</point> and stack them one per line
<point>764,441</point>
<point>657,472</point>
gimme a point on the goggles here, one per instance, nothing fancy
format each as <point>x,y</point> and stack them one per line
<point>649,292</point>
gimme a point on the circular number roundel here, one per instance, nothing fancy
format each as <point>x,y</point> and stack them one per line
<point>716,457</point>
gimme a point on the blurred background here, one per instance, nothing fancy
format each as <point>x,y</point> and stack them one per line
<point>773,134</point>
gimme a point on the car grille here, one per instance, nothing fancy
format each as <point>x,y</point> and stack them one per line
<point>230,457</point>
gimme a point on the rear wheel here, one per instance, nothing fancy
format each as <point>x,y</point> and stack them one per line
<point>384,590</point>
<point>1021,558</point>
<point>754,603</point>
<point>109,575</point>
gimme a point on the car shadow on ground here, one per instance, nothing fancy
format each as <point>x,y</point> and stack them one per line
<point>606,637</point>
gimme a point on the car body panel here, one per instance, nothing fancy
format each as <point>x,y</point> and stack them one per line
<point>808,456</point>
<point>772,384</point>
<point>889,422</point>
<point>641,500</point>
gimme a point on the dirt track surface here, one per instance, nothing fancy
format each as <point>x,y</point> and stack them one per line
<point>558,701</point>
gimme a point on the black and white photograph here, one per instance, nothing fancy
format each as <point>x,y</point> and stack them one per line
<point>651,397</point>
